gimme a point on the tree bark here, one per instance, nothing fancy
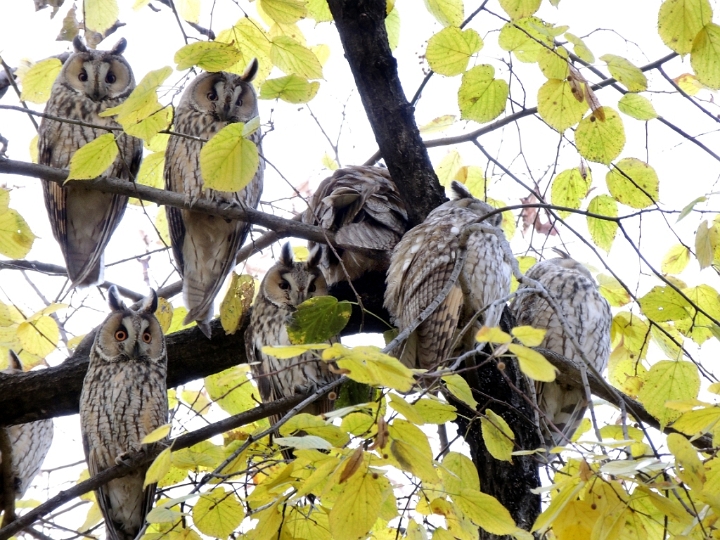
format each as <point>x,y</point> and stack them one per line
<point>361,25</point>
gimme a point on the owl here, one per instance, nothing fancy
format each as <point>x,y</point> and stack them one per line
<point>285,286</point>
<point>362,206</point>
<point>124,398</point>
<point>421,265</point>
<point>30,444</point>
<point>588,316</point>
<point>205,246</point>
<point>83,220</point>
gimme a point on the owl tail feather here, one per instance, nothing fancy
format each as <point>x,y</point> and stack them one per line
<point>86,276</point>
<point>202,319</point>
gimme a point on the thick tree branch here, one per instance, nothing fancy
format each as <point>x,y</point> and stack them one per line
<point>361,25</point>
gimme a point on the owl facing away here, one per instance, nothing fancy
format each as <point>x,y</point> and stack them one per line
<point>205,246</point>
<point>83,220</point>
<point>285,286</point>
<point>29,442</point>
<point>362,206</point>
<point>421,265</point>
<point>588,316</point>
<point>124,398</point>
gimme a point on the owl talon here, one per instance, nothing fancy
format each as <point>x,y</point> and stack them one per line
<point>123,459</point>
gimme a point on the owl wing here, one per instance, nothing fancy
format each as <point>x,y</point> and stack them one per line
<point>174,182</point>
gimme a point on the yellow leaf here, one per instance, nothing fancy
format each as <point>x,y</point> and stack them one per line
<point>157,434</point>
<point>207,55</point>
<point>292,57</point>
<point>203,455</point>
<point>676,259</point>
<point>368,365</point>
<point>567,493</point>
<point>581,50</point>
<point>447,12</point>
<point>474,180</point>
<point>441,123</point>
<point>16,239</point>
<point>666,381</point>
<point>164,314</point>
<point>529,336</point>
<point>499,438</point>
<point>149,128</point>
<point>485,511</point>
<point>151,174</point>
<point>159,468</point>
<point>600,140</point>
<point>482,97</point>
<point>411,449</point>
<point>533,364</point>
<point>197,401</point>
<point>94,158</point>
<point>625,72</point>
<point>698,421</point>
<point>703,247</point>
<point>433,411</point>
<point>449,51</point>
<point>459,388</point>
<point>284,11</point>
<point>39,337</point>
<point>392,27</point>
<point>291,88</point>
<point>290,351</point>
<point>229,161</point>
<point>517,9</point>
<point>189,10</point>
<point>527,38</point>
<point>568,189</point>
<point>406,409</point>
<point>493,335</point>
<point>100,14</point>
<point>231,390</point>
<point>38,81</point>
<point>236,302</point>
<point>142,101</point>
<point>459,472</point>
<point>558,106</point>
<point>313,425</point>
<point>448,168</point>
<point>679,21</point>
<point>637,106</point>
<point>692,471</point>
<point>603,231</point>
<point>634,183</point>
<point>358,504</point>
<point>612,290</point>
<point>218,513</point>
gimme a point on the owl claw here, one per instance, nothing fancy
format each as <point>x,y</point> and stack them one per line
<point>123,459</point>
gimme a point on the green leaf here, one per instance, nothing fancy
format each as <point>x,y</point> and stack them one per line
<point>664,304</point>
<point>669,381</point>
<point>207,55</point>
<point>553,63</point>
<point>100,14</point>
<point>290,88</point>
<point>318,319</point>
<point>679,21</point>
<point>526,38</point>
<point>518,9</point>
<point>485,511</point>
<point>294,58</point>
<point>459,388</point>
<point>231,390</point>
<point>705,56</point>
<point>236,302</point>
<point>533,364</point>
<point>38,80</point>
<point>94,158</point>
<point>229,161</point>
<point>449,51</point>
<point>368,365</point>
<point>613,291</point>
<point>634,183</point>
<point>581,50</point>
<point>497,435</point>
<point>558,106</point>
<point>284,11</point>
<point>600,140</point>
<point>143,101</point>
<point>602,231</point>
<point>447,12</point>
<point>482,97</point>
<point>16,238</point>
<point>218,513</point>
<point>568,189</point>
<point>637,106</point>
<point>625,72</point>
<point>675,260</point>
<point>392,27</point>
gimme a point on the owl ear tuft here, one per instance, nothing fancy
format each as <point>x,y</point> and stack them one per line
<point>459,191</point>
<point>14,360</point>
<point>149,303</point>
<point>119,47</point>
<point>286,255</point>
<point>315,256</point>
<point>250,71</point>
<point>79,44</point>
<point>114,300</point>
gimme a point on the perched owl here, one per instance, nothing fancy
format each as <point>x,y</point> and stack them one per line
<point>205,246</point>
<point>124,398</point>
<point>285,286</point>
<point>363,207</point>
<point>30,444</point>
<point>83,220</point>
<point>421,265</point>
<point>588,316</point>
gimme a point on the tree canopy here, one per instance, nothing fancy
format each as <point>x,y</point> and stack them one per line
<point>593,128</point>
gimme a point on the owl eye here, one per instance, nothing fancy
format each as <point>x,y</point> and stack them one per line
<point>147,337</point>
<point>239,101</point>
<point>121,335</point>
<point>110,77</point>
<point>212,96</point>
<point>284,285</point>
<point>83,75</point>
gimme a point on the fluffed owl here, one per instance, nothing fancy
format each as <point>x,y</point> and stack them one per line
<point>362,206</point>
<point>124,398</point>
<point>421,265</point>
<point>588,316</point>
<point>29,442</point>
<point>205,246</point>
<point>83,220</point>
<point>285,286</point>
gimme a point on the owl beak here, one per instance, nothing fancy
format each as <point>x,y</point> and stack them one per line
<point>136,350</point>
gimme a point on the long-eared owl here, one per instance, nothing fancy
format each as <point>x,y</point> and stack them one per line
<point>29,444</point>
<point>588,316</point>
<point>123,399</point>
<point>205,246</point>
<point>362,206</point>
<point>285,286</point>
<point>83,220</point>
<point>421,265</point>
